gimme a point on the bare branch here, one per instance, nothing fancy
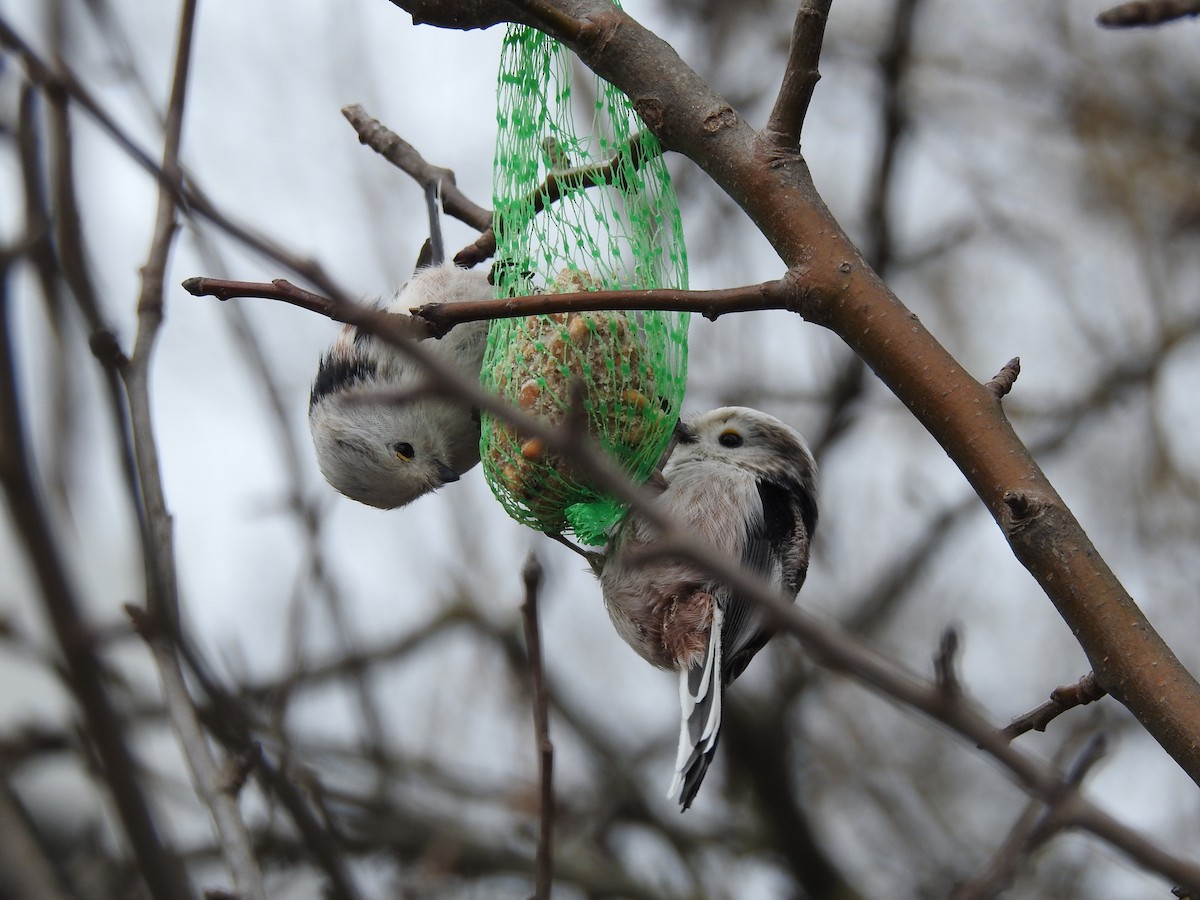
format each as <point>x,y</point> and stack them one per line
<point>801,75</point>
<point>441,317</point>
<point>710,304</point>
<point>1085,691</point>
<point>894,65</point>
<point>559,182</point>
<point>1036,825</point>
<point>843,294</point>
<point>157,864</point>
<point>830,647</point>
<point>282,290</point>
<point>404,155</point>
<point>1147,12</point>
<point>1005,378</point>
<point>158,550</point>
<point>532,575</point>
<point>945,663</point>
<point>24,869</point>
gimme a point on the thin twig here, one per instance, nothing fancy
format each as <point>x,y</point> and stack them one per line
<point>1147,12</point>
<point>441,317</point>
<point>1034,827</point>
<point>801,75</point>
<point>280,289</point>
<point>894,122</point>
<point>945,663</point>
<point>1083,692</point>
<point>532,575</point>
<point>561,181</point>
<point>162,591</point>
<point>86,676</point>
<point>404,156</point>
<point>779,294</point>
<point>558,183</point>
<point>1005,378</point>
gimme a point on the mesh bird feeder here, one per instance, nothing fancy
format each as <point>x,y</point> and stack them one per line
<point>583,202</point>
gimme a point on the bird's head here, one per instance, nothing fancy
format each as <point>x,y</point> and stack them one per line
<point>388,454</point>
<point>748,439</point>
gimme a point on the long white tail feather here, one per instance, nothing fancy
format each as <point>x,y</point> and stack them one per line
<point>695,747</point>
<point>685,745</point>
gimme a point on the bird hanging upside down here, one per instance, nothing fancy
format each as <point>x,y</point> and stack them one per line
<point>744,483</point>
<point>384,453</point>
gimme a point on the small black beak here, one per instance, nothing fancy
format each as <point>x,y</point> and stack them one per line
<point>445,473</point>
<point>684,433</point>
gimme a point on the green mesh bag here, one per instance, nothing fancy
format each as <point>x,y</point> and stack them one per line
<point>615,225</point>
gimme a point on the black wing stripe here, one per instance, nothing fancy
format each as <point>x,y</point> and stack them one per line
<point>338,372</point>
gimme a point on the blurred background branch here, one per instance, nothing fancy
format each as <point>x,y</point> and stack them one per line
<point>367,671</point>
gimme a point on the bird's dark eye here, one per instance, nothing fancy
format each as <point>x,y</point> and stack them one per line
<point>730,439</point>
<point>404,450</point>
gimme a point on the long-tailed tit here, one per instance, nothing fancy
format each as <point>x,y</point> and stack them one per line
<point>384,453</point>
<point>743,483</point>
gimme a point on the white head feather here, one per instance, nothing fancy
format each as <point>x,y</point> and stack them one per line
<point>386,454</point>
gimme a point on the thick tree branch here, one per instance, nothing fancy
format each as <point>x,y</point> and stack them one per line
<point>840,292</point>
<point>467,15</point>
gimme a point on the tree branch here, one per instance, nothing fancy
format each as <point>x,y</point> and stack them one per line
<point>831,647</point>
<point>1085,691</point>
<point>162,622</point>
<point>1005,378</point>
<point>404,156</point>
<point>1036,825</point>
<point>157,863</point>
<point>558,183</point>
<point>532,575</point>
<point>436,319</point>
<point>280,289</point>
<point>840,292</point>
<point>801,75</point>
<point>1147,12</point>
